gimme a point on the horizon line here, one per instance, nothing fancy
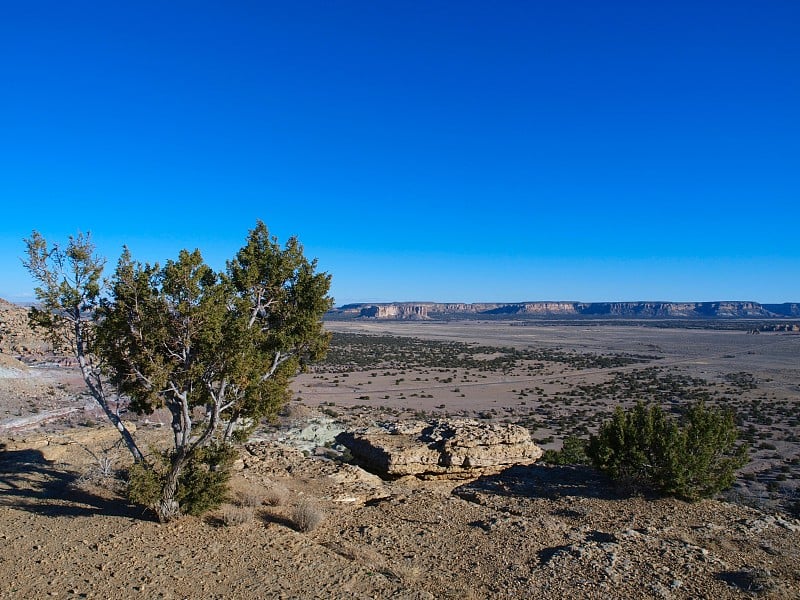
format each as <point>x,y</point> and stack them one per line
<point>378,302</point>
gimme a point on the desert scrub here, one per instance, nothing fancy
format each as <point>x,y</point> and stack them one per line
<point>203,481</point>
<point>275,495</point>
<point>307,516</point>
<point>573,452</point>
<point>237,514</point>
<point>691,458</point>
<point>250,495</point>
<point>357,352</point>
<point>248,498</point>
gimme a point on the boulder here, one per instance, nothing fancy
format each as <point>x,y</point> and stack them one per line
<point>448,448</point>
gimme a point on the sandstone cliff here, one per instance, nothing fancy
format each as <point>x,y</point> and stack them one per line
<point>631,310</point>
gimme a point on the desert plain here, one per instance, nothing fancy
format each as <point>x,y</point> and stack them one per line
<point>537,531</point>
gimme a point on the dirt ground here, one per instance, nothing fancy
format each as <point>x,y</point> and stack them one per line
<point>538,531</point>
<point>703,353</point>
<point>756,376</point>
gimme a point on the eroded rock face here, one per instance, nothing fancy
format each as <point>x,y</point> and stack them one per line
<point>395,311</point>
<point>452,448</point>
<point>16,336</point>
<point>633,310</point>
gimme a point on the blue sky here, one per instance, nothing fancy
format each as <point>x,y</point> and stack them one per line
<point>444,151</point>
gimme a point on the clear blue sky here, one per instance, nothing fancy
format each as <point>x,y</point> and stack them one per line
<point>446,151</point>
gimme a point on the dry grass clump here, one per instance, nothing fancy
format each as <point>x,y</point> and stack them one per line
<point>234,515</point>
<point>307,516</point>
<point>275,495</point>
<point>250,496</point>
<point>408,571</point>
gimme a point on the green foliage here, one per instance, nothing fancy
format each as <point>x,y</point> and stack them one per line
<point>69,288</point>
<point>693,458</point>
<point>69,293</point>
<point>204,480</point>
<point>184,334</point>
<point>217,350</point>
<point>573,452</point>
<point>144,485</point>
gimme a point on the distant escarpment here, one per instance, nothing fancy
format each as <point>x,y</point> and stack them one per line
<point>628,310</point>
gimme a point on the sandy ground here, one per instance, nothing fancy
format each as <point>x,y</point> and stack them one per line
<point>551,400</point>
<point>701,353</point>
<point>539,531</point>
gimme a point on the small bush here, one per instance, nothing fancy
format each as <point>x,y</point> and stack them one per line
<point>204,480</point>
<point>144,485</point>
<point>202,484</point>
<point>307,516</point>
<point>250,495</point>
<point>233,515</point>
<point>691,459</point>
<point>573,452</point>
<point>276,495</point>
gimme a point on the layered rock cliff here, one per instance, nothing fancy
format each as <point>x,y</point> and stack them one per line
<point>631,310</point>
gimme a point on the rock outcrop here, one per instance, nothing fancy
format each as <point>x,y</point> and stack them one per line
<point>16,336</point>
<point>625,310</point>
<point>395,311</point>
<point>452,449</point>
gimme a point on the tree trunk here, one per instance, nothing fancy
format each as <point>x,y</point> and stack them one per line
<point>168,507</point>
<point>127,438</point>
<point>91,377</point>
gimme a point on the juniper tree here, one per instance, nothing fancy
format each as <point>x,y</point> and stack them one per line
<point>216,350</point>
<point>693,457</point>
<point>69,295</point>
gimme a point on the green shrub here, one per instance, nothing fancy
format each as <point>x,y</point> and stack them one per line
<point>695,457</point>
<point>573,452</point>
<point>144,485</point>
<point>202,483</point>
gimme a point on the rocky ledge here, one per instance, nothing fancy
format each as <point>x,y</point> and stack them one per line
<point>447,449</point>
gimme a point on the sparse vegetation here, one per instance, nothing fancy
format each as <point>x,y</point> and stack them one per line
<point>359,352</point>
<point>216,350</point>
<point>276,495</point>
<point>691,459</point>
<point>248,499</point>
<point>573,452</point>
<point>395,535</point>
<point>234,515</point>
<point>307,515</point>
<point>250,495</point>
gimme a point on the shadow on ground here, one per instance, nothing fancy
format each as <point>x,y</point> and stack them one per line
<point>540,481</point>
<point>29,482</point>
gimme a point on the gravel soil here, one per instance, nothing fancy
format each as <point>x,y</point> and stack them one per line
<point>537,532</point>
<point>302,523</point>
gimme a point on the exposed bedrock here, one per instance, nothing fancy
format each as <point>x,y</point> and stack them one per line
<point>452,448</point>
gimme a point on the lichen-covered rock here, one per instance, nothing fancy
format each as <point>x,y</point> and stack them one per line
<point>452,448</point>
